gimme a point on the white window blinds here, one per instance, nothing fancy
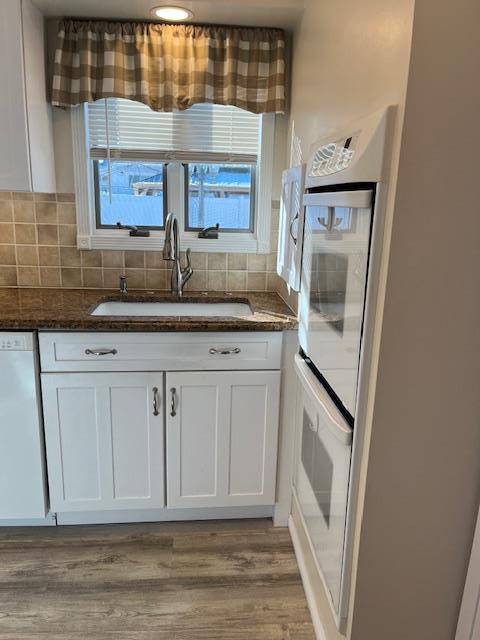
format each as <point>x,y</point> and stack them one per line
<point>123,129</point>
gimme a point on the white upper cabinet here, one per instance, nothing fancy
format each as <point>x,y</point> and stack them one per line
<point>26,132</point>
<point>222,432</point>
<point>290,234</point>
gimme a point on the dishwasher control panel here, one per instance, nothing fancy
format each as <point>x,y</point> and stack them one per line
<point>16,341</point>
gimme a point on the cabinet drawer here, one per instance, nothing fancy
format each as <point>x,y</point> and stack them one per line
<point>159,351</point>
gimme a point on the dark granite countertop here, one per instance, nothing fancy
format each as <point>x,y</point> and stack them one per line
<point>69,309</point>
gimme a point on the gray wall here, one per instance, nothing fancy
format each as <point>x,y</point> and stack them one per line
<point>350,59</point>
<point>423,476</point>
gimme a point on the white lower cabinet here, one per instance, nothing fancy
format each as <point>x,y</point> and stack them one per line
<point>134,424</point>
<point>221,438</point>
<point>104,436</point>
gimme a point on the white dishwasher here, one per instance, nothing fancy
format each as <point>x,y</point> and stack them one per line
<point>23,494</point>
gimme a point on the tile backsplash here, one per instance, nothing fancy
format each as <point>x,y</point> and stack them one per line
<point>38,249</point>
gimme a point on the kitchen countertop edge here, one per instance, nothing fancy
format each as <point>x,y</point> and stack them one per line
<point>70,309</point>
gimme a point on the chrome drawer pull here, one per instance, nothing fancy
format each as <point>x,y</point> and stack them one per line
<point>173,408</point>
<point>224,352</point>
<point>155,401</point>
<point>101,352</point>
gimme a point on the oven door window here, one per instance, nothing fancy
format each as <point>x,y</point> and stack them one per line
<point>321,485</point>
<point>334,277</point>
<point>317,466</point>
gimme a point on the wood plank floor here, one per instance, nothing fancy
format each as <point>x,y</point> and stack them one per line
<point>230,580</point>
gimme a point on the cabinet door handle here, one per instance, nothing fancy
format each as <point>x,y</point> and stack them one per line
<point>101,352</point>
<point>290,229</point>
<point>155,401</point>
<point>224,352</point>
<point>173,402</point>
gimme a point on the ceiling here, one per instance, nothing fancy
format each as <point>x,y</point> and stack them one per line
<point>261,13</point>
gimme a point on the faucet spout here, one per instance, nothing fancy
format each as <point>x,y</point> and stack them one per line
<point>171,252</point>
<point>170,248</point>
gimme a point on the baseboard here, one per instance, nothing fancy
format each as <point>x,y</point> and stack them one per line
<point>49,521</point>
<point>163,515</point>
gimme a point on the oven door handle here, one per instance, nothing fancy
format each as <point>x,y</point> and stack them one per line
<point>337,426</point>
<point>348,199</point>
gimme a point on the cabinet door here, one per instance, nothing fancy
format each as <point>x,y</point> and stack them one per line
<point>104,440</point>
<point>222,430</point>
<point>290,234</point>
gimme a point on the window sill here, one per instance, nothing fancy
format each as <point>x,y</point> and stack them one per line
<point>226,243</point>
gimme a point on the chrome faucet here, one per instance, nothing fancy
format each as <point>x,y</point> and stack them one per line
<point>171,252</point>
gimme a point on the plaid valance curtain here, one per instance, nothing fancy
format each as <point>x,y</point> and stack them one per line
<point>170,67</point>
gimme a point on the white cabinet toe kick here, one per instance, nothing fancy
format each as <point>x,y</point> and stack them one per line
<point>166,426</point>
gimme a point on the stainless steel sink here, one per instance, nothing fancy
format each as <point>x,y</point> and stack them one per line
<point>150,309</point>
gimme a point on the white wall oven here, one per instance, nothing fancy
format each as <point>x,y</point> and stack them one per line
<point>322,477</point>
<point>334,279</point>
<point>342,237</point>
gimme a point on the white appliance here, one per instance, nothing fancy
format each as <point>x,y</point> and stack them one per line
<point>344,176</point>
<point>343,223</point>
<point>290,235</point>
<point>22,466</point>
<point>322,477</point>
<point>334,279</point>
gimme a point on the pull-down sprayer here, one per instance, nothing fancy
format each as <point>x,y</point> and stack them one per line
<point>171,252</point>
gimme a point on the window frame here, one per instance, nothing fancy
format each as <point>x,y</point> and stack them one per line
<point>91,237</point>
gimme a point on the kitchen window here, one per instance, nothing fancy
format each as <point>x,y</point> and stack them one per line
<point>210,164</point>
<point>221,194</point>
<point>130,192</point>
